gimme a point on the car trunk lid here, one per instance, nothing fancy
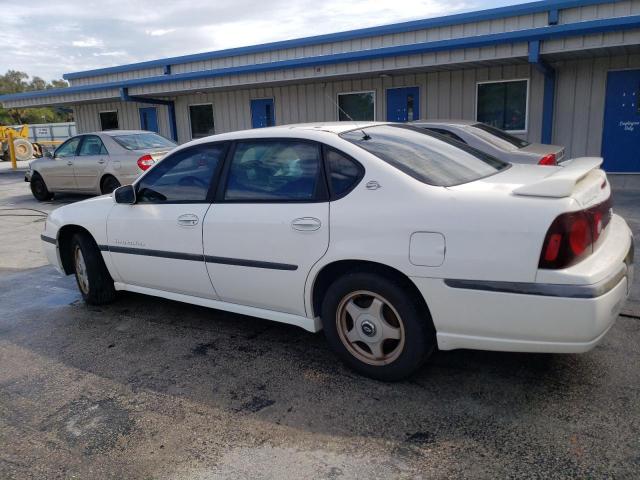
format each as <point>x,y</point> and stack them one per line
<point>156,153</point>
<point>543,150</point>
<point>580,178</point>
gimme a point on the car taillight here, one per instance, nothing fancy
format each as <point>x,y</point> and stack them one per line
<point>579,235</point>
<point>573,236</point>
<point>145,161</point>
<point>548,160</point>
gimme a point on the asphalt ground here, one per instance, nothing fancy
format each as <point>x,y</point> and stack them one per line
<point>149,388</point>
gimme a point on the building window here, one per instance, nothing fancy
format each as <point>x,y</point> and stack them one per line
<point>357,106</point>
<point>503,104</point>
<point>201,119</point>
<point>109,120</point>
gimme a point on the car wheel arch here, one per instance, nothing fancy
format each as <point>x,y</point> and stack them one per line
<point>65,235</point>
<point>104,178</point>
<point>38,173</point>
<point>331,271</point>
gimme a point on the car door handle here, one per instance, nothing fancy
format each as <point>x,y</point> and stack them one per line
<point>101,161</point>
<point>188,220</point>
<point>308,224</point>
<point>69,162</point>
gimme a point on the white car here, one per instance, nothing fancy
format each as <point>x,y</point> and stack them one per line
<point>393,240</point>
<point>96,163</point>
<point>495,142</point>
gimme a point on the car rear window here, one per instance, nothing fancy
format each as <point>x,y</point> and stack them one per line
<point>501,134</point>
<point>430,158</point>
<point>141,141</point>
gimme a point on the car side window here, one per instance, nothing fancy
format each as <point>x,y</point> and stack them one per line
<point>344,172</point>
<point>92,145</point>
<point>274,171</point>
<point>184,176</point>
<point>447,134</point>
<point>68,149</point>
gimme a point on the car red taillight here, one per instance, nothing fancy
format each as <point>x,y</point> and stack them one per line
<point>573,236</point>
<point>548,160</point>
<point>579,235</point>
<point>145,161</point>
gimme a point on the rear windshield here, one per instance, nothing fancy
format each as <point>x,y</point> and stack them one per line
<point>502,135</point>
<point>430,158</point>
<point>141,141</point>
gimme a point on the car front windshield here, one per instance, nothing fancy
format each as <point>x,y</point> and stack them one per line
<point>427,157</point>
<point>483,129</point>
<point>141,141</point>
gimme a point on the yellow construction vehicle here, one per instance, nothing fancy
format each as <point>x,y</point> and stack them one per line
<point>15,144</point>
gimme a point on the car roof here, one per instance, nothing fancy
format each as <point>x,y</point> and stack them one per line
<point>332,127</point>
<point>435,123</point>
<point>113,133</point>
<point>297,130</point>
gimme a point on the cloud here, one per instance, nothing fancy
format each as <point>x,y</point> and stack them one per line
<point>102,33</point>
<point>87,42</point>
<point>159,32</point>
<point>117,53</point>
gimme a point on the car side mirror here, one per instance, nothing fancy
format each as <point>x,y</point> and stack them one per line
<point>125,195</point>
<point>48,154</point>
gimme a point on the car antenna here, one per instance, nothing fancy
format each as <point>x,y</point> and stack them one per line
<point>365,135</point>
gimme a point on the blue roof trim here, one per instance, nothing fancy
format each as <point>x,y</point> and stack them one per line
<point>542,33</point>
<point>457,19</point>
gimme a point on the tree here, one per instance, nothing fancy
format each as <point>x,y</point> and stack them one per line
<point>37,83</point>
<point>16,82</point>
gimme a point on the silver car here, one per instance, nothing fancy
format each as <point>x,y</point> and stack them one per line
<point>96,163</point>
<point>494,141</point>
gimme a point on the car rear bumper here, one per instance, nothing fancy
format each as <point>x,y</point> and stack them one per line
<point>530,317</point>
<point>533,323</point>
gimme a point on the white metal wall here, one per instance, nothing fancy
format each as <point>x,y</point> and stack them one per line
<point>445,94</point>
<point>87,116</point>
<point>579,104</point>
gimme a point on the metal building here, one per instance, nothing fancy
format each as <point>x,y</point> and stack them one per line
<point>560,71</point>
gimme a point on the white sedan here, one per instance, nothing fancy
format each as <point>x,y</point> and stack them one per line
<point>393,240</point>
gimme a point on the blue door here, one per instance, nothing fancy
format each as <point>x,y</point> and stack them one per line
<point>403,104</point>
<point>621,133</point>
<point>262,114</point>
<point>149,119</point>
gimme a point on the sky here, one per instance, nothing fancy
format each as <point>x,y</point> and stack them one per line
<point>50,37</point>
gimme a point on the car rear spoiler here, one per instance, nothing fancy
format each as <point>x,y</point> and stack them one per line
<point>562,181</point>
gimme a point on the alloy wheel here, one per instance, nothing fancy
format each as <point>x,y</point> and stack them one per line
<point>81,271</point>
<point>370,328</point>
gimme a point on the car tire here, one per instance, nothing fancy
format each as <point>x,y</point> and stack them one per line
<point>109,184</point>
<point>376,326</point>
<point>39,188</point>
<point>93,278</point>
<point>23,149</point>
